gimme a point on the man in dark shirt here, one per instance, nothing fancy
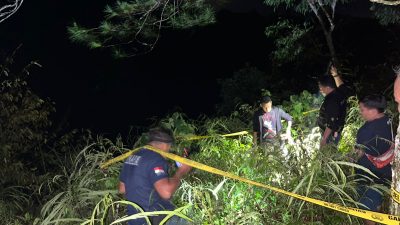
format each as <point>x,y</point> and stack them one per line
<point>332,113</point>
<point>267,122</point>
<point>375,150</point>
<point>145,181</point>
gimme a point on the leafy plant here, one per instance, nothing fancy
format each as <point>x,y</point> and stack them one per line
<point>81,185</point>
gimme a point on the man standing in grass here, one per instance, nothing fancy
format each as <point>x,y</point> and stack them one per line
<point>145,181</point>
<point>375,150</point>
<point>267,124</point>
<point>332,113</point>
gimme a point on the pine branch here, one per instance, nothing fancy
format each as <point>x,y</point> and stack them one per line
<point>136,25</point>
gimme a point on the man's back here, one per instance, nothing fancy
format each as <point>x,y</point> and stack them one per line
<point>333,109</point>
<point>140,172</point>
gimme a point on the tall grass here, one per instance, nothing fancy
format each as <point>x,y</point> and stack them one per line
<point>81,185</point>
<point>82,193</point>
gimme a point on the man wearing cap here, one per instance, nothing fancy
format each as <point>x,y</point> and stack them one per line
<point>267,122</point>
<point>145,181</point>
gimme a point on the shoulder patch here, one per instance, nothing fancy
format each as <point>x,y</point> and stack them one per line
<point>159,170</point>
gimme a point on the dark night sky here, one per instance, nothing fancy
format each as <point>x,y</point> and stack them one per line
<point>99,92</point>
<point>93,90</point>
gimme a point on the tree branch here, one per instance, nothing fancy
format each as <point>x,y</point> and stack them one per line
<point>8,10</point>
<point>386,2</point>
<point>332,25</point>
<point>327,32</point>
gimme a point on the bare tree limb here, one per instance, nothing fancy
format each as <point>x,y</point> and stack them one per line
<point>386,2</point>
<point>327,31</point>
<point>332,25</point>
<point>9,9</point>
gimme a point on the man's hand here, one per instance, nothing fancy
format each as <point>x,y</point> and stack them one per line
<point>166,187</point>
<point>359,153</point>
<point>322,143</point>
<point>183,170</point>
<point>121,188</point>
<point>255,138</point>
<point>325,136</point>
<point>290,138</point>
<point>334,72</point>
<point>336,76</point>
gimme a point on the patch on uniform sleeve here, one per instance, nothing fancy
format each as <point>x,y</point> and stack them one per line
<point>133,160</point>
<point>159,171</point>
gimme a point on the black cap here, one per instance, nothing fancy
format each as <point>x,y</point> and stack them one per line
<point>161,134</point>
<point>375,101</point>
<point>265,99</point>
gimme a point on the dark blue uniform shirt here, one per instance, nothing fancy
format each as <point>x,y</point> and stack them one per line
<point>139,173</point>
<point>375,137</point>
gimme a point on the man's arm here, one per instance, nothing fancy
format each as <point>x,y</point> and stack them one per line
<point>325,136</point>
<point>166,187</point>
<point>121,188</point>
<point>338,79</point>
<point>122,179</point>
<point>255,137</point>
<point>256,128</point>
<point>396,91</point>
<point>289,132</point>
<point>332,118</point>
<point>289,119</point>
<point>289,128</point>
<point>346,89</point>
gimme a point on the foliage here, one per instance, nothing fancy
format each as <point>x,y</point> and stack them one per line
<point>77,191</point>
<point>219,201</point>
<point>134,27</point>
<point>80,185</point>
<point>249,80</point>
<point>304,109</point>
<point>107,210</point>
<point>24,118</point>
<point>386,14</point>
<point>287,37</point>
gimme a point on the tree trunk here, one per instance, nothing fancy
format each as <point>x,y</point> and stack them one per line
<point>331,47</point>
<point>395,207</point>
<point>327,29</point>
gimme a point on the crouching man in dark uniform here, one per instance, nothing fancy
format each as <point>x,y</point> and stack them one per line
<point>145,181</point>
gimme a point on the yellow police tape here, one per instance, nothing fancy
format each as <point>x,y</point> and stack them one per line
<point>369,215</point>
<point>186,138</point>
<point>396,195</point>
<point>119,158</point>
<point>313,110</point>
<point>192,138</point>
